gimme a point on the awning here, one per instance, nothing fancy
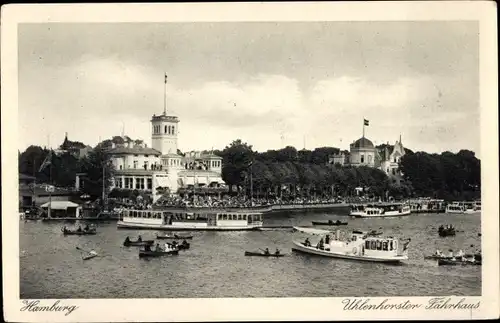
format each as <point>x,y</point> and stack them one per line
<point>59,205</point>
<point>163,181</point>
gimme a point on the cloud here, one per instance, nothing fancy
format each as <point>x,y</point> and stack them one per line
<point>260,83</point>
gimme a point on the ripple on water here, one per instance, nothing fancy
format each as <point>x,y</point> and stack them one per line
<point>215,266</point>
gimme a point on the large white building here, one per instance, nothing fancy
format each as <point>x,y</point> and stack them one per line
<point>138,167</point>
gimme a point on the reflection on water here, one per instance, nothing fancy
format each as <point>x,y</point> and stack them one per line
<point>215,266</point>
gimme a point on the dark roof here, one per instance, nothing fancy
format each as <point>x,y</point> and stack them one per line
<point>134,150</point>
<point>363,143</point>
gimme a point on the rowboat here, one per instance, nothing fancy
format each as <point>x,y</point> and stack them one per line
<point>173,237</point>
<point>329,222</point>
<point>446,232</point>
<point>457,262</point>
<point>151,254</point>
<point>128,243</point>
<point>436,257</point>
<point>260,254</point>
<point>182,246</point>
<point>78,233</point>
<point>90,256</point>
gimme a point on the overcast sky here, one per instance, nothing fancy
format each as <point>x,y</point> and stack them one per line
<point>270,84</point>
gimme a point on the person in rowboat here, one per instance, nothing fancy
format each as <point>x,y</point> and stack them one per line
<point>266,252</point>
<point>127,239</point>
<point>158,248</point>
<point>327,239</point>
<point>307,243</point>
<point>79,229</point>
<point>139,238</point>
<point>277,252</point>
<point>438,253</point>
<point>86,228</point>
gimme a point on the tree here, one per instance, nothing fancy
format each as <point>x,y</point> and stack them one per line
<point>92,166</point>
<point>237,158</point>
<point>321,155</point>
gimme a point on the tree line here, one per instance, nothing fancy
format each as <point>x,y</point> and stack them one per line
<point>285,172</point>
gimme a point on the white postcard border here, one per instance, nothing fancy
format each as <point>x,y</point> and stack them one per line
<point>231,309</point>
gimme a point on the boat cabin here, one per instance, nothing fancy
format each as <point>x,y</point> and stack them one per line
<point>179,218</point>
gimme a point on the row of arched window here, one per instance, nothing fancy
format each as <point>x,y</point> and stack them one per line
<point>169,130</point>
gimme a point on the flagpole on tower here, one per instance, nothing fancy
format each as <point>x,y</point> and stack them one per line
<point>165,96</point>
<point>364,126</point>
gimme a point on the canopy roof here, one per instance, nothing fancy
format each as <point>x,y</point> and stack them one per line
<point>60,205</point>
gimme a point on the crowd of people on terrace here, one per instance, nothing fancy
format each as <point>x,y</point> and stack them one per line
<point>242,201</point>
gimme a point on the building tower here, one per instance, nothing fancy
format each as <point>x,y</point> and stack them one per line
<point>164,129</point>
<point>164,133</point>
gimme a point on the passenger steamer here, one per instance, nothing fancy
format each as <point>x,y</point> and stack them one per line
<point>464,207</point>
<point>194,218</point>
<point>380,210</point>
<point>354,246</point>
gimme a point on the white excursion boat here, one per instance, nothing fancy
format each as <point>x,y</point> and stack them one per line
<point>194,218</point>
<point>355,246</point>
<point>380,210</point>
<point>464,207</point>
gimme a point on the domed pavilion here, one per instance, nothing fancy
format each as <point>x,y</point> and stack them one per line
<point>362,153</point>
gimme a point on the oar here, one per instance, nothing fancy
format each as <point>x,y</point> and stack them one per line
<point>81,249</point>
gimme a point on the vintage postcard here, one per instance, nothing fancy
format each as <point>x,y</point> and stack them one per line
<point>250,161</point>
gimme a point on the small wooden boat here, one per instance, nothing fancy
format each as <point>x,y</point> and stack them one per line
<point>151,254</point>
<point>174,237</point>
<point>65,231</point>
<point>329,222</point>
<point>89,256</point>
<point>436,257</point>
<point>458,262</point>
<point>261,254</point>
<point>128,243</point>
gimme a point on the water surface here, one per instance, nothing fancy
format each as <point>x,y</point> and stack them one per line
<point>215,266</point>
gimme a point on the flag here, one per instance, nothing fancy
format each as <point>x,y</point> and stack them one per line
<point>165,78</point>
<point>46,162</point>
<point>367,123</point>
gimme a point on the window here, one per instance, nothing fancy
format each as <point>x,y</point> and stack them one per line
<point>173,130</point>
<point>393,171</point>
<point>379,245</point>
<point>224,217</point>
<point>136,163</point>
<point>165,129</point>
<point>362,159</point>
<point>384,245</point>
<point>367,244</point>
<point>373,245</point>
<point>149,184</point>
<point>244,217</point>
<point>240,217</point>
<point>120,166</point>
<point>119,183</point>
